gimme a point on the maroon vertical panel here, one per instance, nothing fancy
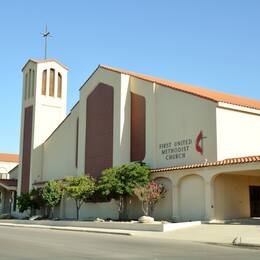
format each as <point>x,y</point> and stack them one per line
<point>27,141</point>
<point>99,130</point>
<point>137,127</point>
<point>77,143</point>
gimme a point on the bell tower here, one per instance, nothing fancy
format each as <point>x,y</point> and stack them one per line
<point>44,102</point>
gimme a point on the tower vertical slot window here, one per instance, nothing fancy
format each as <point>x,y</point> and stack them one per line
<point>59,85</point>
<point>33,82</point>
<point>26,86</point>
<point>52,82</point>
<point>44,81</point>
<point>30,84</point>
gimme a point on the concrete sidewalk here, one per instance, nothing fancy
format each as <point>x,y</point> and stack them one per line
<point>215,234</point>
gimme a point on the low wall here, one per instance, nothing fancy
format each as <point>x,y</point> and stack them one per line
<point>155,227</point>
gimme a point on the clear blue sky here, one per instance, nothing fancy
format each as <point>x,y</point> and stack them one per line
<point>213,44</point>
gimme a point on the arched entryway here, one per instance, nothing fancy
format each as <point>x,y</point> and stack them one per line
<point>191,198</point>
<point>237,195</point>
<point>163,210</point>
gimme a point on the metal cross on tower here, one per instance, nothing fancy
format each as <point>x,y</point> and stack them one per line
<point>46,34</point>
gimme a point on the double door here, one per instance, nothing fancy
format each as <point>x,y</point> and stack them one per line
<point>255,201</point>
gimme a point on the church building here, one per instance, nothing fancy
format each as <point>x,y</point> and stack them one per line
<point>203,145</point>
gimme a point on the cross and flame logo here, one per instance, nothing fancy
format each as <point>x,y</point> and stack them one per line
<point>199,144</point>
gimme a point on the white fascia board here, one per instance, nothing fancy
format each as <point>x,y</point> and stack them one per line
<point>239,108</point>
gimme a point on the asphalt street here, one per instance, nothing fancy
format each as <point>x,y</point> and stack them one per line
<point>28,243</point>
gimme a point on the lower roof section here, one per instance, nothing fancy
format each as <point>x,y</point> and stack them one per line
<point>8,184</point>
<point>229,161</point>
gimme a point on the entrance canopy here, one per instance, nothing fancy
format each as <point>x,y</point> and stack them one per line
<point>9,184</point>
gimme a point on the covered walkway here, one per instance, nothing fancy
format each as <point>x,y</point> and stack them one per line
<point>219,190</point>
<point>8,189</point>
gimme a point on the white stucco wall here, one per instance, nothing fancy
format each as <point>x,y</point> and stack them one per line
<point>36,164</point>
<point>14,173</point>
<point>182,116</point>
<point>59,151</point>
<point>89,211</point>
<point>191,198</point>
<point>173,116</point>
<point>237,133</point>
<point>51,108</point>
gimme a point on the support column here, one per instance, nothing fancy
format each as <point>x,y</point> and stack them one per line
<point>209,199</point>
<point>122,122</point>
<point>175,201</point>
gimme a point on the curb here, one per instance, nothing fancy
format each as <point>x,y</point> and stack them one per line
<point>77,229</point>
<point>248,245</point>
<point>240,245</point>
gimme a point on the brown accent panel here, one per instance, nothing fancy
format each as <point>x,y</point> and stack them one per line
<point>77,143</point>
<point>99,130</point>
<point>138,119</point>
<point>27,141</point>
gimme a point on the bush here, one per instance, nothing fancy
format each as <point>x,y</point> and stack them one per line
<point>150,195</point>
<point>30,201</point>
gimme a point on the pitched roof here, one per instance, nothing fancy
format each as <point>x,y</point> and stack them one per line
<point>7,157</point>
<point>12,170</point>
<point>230,161</point>
<point>197,91</point>
<point>43,61</point>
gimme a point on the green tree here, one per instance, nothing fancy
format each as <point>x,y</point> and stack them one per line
<point>119,183</point>
<point>79,189</point>
<point>30,201</point>
<point>52,194</point>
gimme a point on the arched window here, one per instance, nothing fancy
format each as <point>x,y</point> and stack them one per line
<point>33,82</point>
<point>26,86</point>
<point>30,83</point>
<point>52,81</point>
<point>59,85</point>
<point>44,81</point>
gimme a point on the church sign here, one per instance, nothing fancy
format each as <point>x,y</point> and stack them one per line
<point>179,149</point>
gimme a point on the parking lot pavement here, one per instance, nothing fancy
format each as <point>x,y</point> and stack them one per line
<point>28,243</point>
<point>236,232</point>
